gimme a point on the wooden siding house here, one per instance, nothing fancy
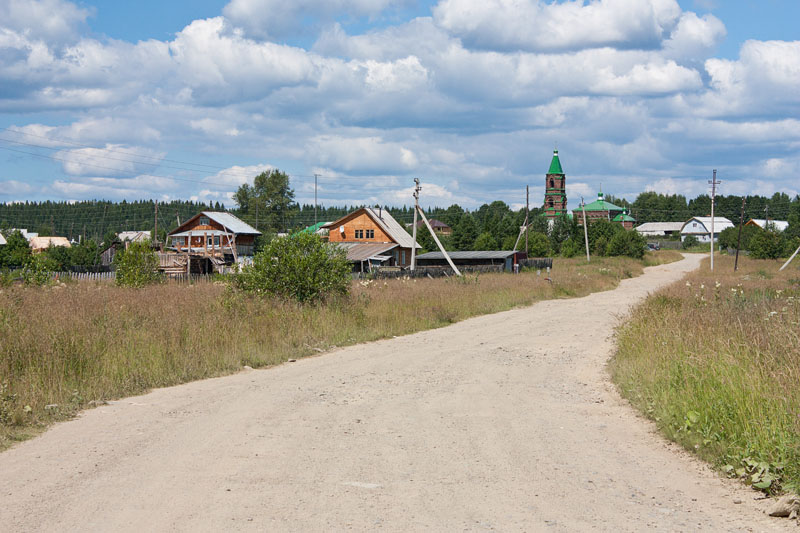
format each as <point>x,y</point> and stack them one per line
<point>208,242</point>
<point>372,237</point>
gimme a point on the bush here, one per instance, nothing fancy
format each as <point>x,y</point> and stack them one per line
<point>300,267</point>
<point>137,265</point>
<point>572,247</point>
<point>766,244</point>
<point>538,245</point>
<point>689,242</point>
<point>629,243</point>
<point>38,270</point>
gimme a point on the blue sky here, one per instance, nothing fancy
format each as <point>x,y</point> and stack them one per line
<point>156,99</point>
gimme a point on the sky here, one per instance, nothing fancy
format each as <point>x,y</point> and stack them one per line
<point>188,100</point>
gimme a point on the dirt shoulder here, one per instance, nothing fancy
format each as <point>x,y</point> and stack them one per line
<point>505,421</point>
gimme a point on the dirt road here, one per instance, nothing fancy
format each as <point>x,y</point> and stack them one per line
<point>504,422</point>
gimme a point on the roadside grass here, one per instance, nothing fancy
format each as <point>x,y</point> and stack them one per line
<point>714,360</point>
<point>66,348</point>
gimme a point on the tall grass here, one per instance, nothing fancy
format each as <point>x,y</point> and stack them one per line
<point>715,361</point>
<point>65,348</point>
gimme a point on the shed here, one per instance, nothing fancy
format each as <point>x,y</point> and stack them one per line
<point>502,260</point>
<point>659,229</point>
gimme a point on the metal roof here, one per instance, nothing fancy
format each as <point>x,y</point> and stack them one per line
<point>358,251</point>
<point>477,254</point>
<point>780,225</point>
<point>232,223</point>
<point>600,205</point>
<point>720,223</point>
<point>658,227</point>
<point>135,236</point>
<point>555,164</point>
<point>624,217</point>
<point>2,239</point>
<point>386,222</point>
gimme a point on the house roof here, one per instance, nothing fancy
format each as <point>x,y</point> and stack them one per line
<point>555,164</point>
<point>361,251</point>
<point>134,236</point>
<point>434,223</point>
<point>385,221</point>
<point>477,254</point>
<point>40,243</point>
<point>780,225</point>
<point>600,205</point>
<point>312,229</point>
<point>227,220</point>
<point>624,217</point>
<point>2,239</point>
<point>659,227</point>
<point>720,223</point>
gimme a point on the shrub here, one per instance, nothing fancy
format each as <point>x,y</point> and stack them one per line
<point>485,241</point>
<point>300,267</point>
<point>38,270</point>
<point>137,265</point>
<point>629,243</point>
<point>690,241</point>
<point>538,245</point>
<point>766,244</point>
<point>571,247</point>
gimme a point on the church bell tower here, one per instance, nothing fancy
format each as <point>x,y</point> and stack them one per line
<point>555,190</point>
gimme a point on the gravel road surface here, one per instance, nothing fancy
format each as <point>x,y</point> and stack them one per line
<point>504,422</point>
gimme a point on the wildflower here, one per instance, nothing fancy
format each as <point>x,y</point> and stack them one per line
<point>717,284</point>
<point>702,285</point>
<point>688,284</point>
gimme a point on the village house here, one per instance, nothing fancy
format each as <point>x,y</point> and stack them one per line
<point>440,228</point>
<point>372,237</point>
<point>40,244</point>
<point>208,242</point>
<point>700,228</point>
<point>600,209</point>
<point>778,225</point>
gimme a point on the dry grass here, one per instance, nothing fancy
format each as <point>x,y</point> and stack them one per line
<point>65,348</point>
<point>715,361</point>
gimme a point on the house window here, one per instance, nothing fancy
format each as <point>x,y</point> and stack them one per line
<point>370,233</point>
<point>359,234</point>
<point>204,221</point>
<point>216,241</point>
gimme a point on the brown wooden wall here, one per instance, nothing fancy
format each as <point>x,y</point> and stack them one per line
<point>360,221</point>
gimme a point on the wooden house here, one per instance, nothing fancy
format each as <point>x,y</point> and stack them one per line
<point>439,227</point>
<point>372,237</point>
<point>208,242</point>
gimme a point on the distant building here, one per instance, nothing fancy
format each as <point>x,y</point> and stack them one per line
<point>40,244</point>
<point>439,227</point>
<point>700,228</point>
<point>474,260</point>
<point>602,210</point>
<point>555,190</point>
<point>779,225</point>
<point>134,236</point>
<point>659,229</point>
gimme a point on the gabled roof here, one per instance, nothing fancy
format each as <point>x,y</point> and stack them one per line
<point>624,217</point>
<point>40,243</point>
<point>226,220</point>
<point>720,223</point>
<point>134,236</point>
<point>555,164</point>
<point>385,221</point>
<point>600,205</point>
<point>433,222</point>
<point>312,229</point>
<point>659,227</point>
<point>780,225</point>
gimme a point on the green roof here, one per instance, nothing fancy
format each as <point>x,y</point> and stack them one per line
<point>624,217</point>
<point>601,205</point>
<point>313,229</point>
<point>555,165</point>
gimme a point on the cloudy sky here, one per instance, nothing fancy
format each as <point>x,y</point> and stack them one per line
<point>153,99</point>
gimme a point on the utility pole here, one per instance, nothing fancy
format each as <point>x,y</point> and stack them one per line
<point>585,230</point>
<point>739,240</point>
<point>714,184</point>
<point>430,229</point>
<point>527,214</point>
<point>315,210</point>
<point>766,217</point>
<point>155,237</point>
<point>414,229</point>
